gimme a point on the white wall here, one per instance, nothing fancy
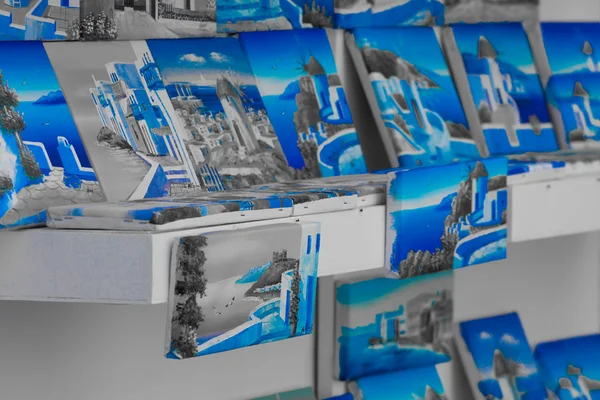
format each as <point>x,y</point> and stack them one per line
<point>570,10</point>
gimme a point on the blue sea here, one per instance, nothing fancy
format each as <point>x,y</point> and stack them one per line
<point>358,360</point>
<point>420,228</point>
<point>445,103</point>
<point>281,112</point>
<point>208,95</point>
<point>60,123</point>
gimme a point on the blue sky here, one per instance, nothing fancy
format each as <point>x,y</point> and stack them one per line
<point>31,75</point>
<point>508,39</point>
<point>366,293</point>
<point>401,385</point>
<point>408,43</point>
<point>276,58</point>
<point>564,43</point>
<point>427,186</point>
<point>504,332</point>
<point>581,352</point>
<point>187,59</point>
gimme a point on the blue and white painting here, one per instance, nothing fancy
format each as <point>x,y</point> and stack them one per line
<point>387,324</point>
<point>446,217</point>
<point>503,361</point>
<point>574,61</point>
<point>572,47</point>
<point>571,367</point>
<point>416,96</point>
<point>247,15</point>
<point>422,383</point>
<point>37,20</point>
<point>230,136</point>
<point>303,94</point>
<point>384,13</point>
<point>577,98</point>
<point>240,288</point>
<point>505,88</point>
<point>42,159</point>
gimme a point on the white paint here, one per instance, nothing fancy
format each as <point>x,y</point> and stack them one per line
<point>8,160</point>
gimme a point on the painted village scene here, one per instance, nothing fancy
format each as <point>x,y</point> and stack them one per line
<point>505,88</point>
<point>501,355</point>
<point>573,87</point>
<point>262,292</point>
<point>42,160</point>
<point>463,210</point>
<point>416,96</point>
<point>385,325</point>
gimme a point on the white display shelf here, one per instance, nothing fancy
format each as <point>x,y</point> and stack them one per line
<point>132,267</point>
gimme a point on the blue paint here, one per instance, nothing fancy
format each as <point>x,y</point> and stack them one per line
<point>554,359</point>
<point>513,86</point>
<point>424,198</point>
<point>501,334</point>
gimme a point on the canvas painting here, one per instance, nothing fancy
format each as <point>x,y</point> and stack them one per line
<point>572,47</point>
<point>572,88</point>
<point>473,11</point>
<point>129,126</point>
<point>414,94</point>
<point>385,13</point>
<point>298,394</point>
<point>302,91</point>
<point>571,367</point>
<point>576,97</point>
<point>42,159</point>
<point>37,20</point>
<point>235,16</point>
<point>505,88</point>
<point>421,383</point>
<point>461,209</point>
<point>387,324</point>
<point>171,213</point>
<point>498,360</point>
<point>264,291</point>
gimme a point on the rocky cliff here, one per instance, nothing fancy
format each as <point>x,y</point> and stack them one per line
<point>389,64</point>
